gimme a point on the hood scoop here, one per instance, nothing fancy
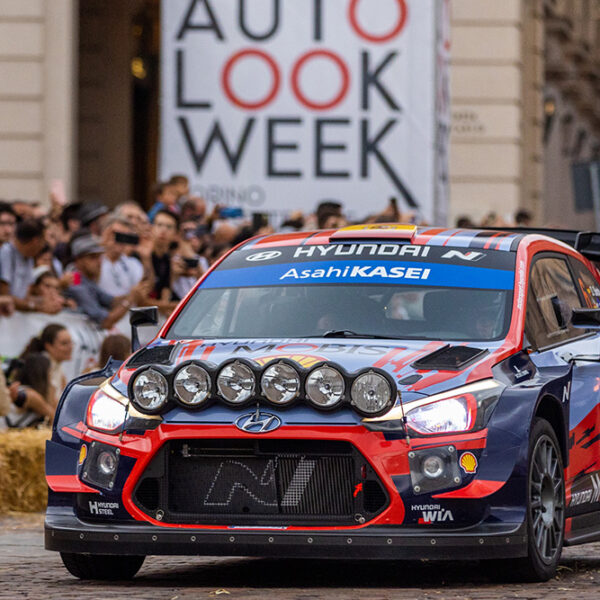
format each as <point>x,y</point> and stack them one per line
<point>449,358</point>
<point>158,355</point>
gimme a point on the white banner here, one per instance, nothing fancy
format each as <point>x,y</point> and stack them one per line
<point>274,105</point>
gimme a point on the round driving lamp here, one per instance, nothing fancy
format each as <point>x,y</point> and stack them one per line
<point>325,387</point>
<point>192,385</point>
<point>236,383</point>
<point>280,383</point>
<point>107,463</point>
<point>371,394</point>
<point>150,391</point>
<point>433,467</point>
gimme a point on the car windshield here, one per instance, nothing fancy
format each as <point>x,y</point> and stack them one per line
<point>371,310</point>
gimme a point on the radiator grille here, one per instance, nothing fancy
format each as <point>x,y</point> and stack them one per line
<point>246,482</point>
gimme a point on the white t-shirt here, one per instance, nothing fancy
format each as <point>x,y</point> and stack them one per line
<point>117,278</point>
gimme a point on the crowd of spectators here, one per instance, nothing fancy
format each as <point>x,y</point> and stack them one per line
<point>101,262</point>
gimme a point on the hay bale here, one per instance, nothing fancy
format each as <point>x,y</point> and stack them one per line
<point>22,480</point>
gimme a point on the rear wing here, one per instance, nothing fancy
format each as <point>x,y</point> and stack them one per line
<point>585,242</point>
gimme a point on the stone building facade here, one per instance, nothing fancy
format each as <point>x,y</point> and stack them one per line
<point>525,80</point>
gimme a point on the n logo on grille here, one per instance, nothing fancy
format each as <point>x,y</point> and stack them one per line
<point>236,483</point>
<point>258,422</point>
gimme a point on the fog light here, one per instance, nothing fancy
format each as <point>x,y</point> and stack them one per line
<point>430,472</point>
<point>107,463</point>
<point>101,465</point>
<point>433,467</point>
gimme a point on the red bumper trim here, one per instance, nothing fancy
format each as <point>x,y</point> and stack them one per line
<point>68,483</point>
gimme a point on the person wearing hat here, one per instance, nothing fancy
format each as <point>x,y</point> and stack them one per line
<point>100,307</point>
<point>92,216</point>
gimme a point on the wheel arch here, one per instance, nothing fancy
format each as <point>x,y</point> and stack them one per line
<point>550,409</point>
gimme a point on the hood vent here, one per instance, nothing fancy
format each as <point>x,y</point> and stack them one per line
<point>157,355</point>
<point>449,358</point>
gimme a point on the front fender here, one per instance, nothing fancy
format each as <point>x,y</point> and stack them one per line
<point>74,400</point>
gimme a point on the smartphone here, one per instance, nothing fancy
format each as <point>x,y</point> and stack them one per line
<point>259,220</point>
<point>190,263</point>
<point>131,239</point>
<point>231,212</point>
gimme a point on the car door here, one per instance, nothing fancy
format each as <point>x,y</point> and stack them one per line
<point>552,295</point>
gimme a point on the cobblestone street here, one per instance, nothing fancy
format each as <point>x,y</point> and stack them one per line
<point>28,571</point>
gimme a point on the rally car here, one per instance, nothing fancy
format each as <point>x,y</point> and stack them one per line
<point>377,391</point>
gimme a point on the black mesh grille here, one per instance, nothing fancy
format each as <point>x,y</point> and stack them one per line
<point>148,493</point>
<point>243,481</point>
<point>375,496</point>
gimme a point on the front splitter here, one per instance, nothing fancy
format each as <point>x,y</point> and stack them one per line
<point>67,533</point>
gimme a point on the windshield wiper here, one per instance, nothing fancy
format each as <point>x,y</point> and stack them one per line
<point>348,333</point>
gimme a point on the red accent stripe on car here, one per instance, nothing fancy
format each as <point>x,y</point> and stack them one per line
<point>479,488</point>
<point>73,432</point>
<point>68,483</point>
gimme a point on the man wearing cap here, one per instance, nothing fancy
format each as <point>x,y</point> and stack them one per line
<point>92,216</point>
<point>99,306</point>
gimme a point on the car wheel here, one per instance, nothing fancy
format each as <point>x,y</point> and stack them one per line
<point>102,566</point>
<point>545,506</point>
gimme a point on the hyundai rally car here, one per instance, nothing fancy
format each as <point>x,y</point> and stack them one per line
<point>378,391</point>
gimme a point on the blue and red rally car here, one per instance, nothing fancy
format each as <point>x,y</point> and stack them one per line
<point>378,391</point>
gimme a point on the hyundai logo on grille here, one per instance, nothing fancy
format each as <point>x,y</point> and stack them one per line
<point>267,255</point>
<point>258,422</point>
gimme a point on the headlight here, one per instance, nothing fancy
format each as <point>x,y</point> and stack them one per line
<point>455,414</point>
<point>150,391</point>
<point>104,413</point>
<point>467,408</point>
<point>192,385</point>
<point>325,387</point>
<point>371,393</point>
<point>464,409</point>
<point>236,383</point>
<point>280,383</point>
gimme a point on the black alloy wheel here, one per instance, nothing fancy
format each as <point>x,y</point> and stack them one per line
<point>546,499</point>
<point>545,509</point>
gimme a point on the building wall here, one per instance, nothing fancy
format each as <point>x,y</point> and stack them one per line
<point>36,97</point>
<point>493,143</point>
<point>105,148</point>
<point>572,110</point>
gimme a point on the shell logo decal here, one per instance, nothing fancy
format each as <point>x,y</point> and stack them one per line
<point>304,360</point>
<point>468,462</point>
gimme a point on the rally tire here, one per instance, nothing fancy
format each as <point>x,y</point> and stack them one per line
<point>545,506</point>
<point>102,567</point>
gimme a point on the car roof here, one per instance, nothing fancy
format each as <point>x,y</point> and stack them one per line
<point>391,232</point>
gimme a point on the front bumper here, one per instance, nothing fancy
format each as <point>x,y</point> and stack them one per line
<point>67,533</point>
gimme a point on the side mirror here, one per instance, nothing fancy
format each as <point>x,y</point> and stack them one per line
<point>586,318</point>
<point>138,317</point>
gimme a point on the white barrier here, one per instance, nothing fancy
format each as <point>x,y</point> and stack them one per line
<point>18,329</point>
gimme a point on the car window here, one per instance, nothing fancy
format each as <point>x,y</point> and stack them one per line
<point>550,300</point>
<point>587,285</point>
